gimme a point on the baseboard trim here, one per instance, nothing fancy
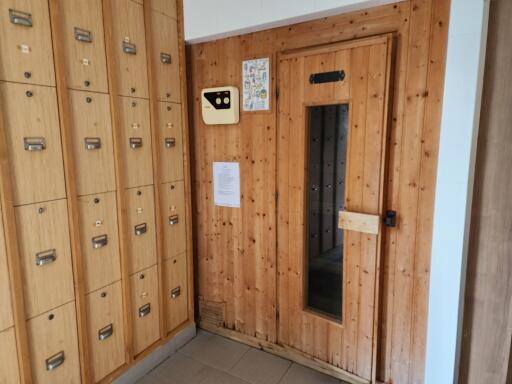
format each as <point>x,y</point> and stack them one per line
<point>156,357</point>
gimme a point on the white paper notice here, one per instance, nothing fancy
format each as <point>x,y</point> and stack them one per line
<point>226,184</point>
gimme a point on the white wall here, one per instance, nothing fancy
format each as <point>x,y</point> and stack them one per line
<point>459,131</point>
<point>208,19</point>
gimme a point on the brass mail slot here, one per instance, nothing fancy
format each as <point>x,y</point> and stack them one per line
<point>175,293</point>
<point>55,361</point>
<point>92,143</point>
<point>141,229</point>
<point>20,18</point>
<point>83,35</point>
<point>173,220</point>
<point>145,310</point>
<point>170,142</point>
<point>46,257</point>
<point>165,58</point>
<point>33,144</point>
<point>129,48</point>
<point>106,332</point>
<point>135,142</point>
<point>99,241</point>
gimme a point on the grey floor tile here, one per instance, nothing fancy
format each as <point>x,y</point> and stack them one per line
<point>179,369</point>
<point>258,367</point>
<point>297,374</point>
<point>197,343</point>
<point>216,351</point>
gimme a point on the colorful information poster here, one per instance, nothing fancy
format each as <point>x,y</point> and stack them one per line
<point>256,84</point>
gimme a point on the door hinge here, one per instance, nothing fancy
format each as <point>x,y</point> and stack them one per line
<point>390,219</point>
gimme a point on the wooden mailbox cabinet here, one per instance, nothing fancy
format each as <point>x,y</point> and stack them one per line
<point>95,258</point>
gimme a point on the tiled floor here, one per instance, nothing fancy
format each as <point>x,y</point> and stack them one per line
<point>211,359</point>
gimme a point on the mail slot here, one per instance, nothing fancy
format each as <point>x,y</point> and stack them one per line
<point>32,144</point>
<point>170,142</point>
<point>46,257</point>
<point>106,332</point>
<point>20,18</point>
<point>99,241</point>
<point>92,143</point>
<point>145,310</point>
<point>135,142</point>
<point>83,35</point>
<point>55,361</point>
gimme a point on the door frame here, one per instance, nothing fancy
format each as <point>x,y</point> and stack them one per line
<point>387,122</point>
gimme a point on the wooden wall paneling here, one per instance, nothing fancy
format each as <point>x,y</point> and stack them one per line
<point>487,326</point>
<point>153,57</point>
<point>9,367</point>
<point>420,29</point>
<point>187,165</point>
<point>65,120</point>
<point>6,316</point>
<point>26,51</point>
<point>12,250</point>
<point>121,177</point>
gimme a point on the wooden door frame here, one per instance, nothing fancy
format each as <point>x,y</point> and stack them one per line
<point>390,39</point>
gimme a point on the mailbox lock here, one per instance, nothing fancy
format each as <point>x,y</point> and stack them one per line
<point>29,94</point>
<point>96,200</point>
<point>87,83</point>
<point>51,316</point>
<point>134,103</point>
<point>168,94</point>
<point>40,210</point>
<point>142,276</point>
<point>27,75</point>
<point>169,108</point>
<point>88,99</point>
<point>103,294</point>
<point>132,90</point>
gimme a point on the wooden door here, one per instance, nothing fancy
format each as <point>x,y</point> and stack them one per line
<point>141,228</point>
<point>25,42</point>
<point>84,45</point>
<point>175,229</point>
<point>9,368</point>
<point>129,40</point>
<point>146,311</point>
<point>100,240</point>
<point>54,346</point>
<point>166,56</point>
<point>92,142</point>
<point>106,330</point>
<point>332,149</point>
<point>33,142</point>
<point>136,136</point>
<point>176,292</point>
<point>171,142</point>
<point>43,233</point>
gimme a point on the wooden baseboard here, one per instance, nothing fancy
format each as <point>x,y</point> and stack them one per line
<point>287,353</point>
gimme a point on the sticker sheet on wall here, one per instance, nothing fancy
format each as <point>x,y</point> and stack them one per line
<point>256,84</point>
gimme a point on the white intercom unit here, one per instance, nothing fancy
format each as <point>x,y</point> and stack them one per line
<point>220,105</point>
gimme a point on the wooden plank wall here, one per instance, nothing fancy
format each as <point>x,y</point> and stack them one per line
<point>236,250</point>
<point>487,328</point>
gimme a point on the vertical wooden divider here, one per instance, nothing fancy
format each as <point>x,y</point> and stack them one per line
<point>186,158</point>
<point>113,88</point>
<point>65,121</point>
<point>155,143</point>
<point>13,259</point>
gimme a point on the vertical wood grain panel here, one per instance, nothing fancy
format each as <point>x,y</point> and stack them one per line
<point>222,251</point>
